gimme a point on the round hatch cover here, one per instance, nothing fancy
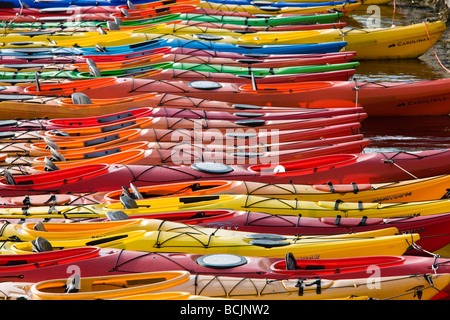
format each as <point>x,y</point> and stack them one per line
<point>269,243</point>
<point>209,37</point>
<point>211,167</point>
<point>221,260</point>
<point>204,85</point>
<point>266,236</point>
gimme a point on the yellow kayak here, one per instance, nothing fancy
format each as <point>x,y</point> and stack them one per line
<point>91,230</point>
<point>386,43</point>
<point>408,287</point>
<point>317,209</point>
<point>259,245</point>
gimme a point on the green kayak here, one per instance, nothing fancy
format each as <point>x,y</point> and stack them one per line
<point>272,21</point>
<point>264,71</point>
<point>142,70</point>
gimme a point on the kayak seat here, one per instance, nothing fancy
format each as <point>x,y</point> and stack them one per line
<point>49,165</point>
<point>128,202</point>
<point>117,215</point>
<point>290,261</point>
<point>41,245</point>
<point>9,178</point>
<point>39,226</point>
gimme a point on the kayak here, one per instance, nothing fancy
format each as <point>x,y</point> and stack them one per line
<point>318,209</point>
<point>64,3</point>
<point>337,169</point>
<point>414,190</point>
<point>432,229</point>
<point>148,71</point>
<point>156,137</point>
<point>120,286</point>
<point>47,124</point>
<point>304,20</point>
<point>93,261</point>
<point>142,71</point>
<point>146,44</point>
<point>178,155</point>
<point>281,3</point>
<point>23,154</point>
<point>378,43</point>
<point>22,105</point>
<point>206,242</point>
<point>185,55</point>
<point>223,126</point>
<point>53,231</point>
<point>70,10</point>
<point>102,15</point>
<point>165,55</point>
<point>427,97</point>
<point>345,7</point>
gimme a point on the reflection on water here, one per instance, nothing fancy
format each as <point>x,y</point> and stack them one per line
<point>393,134</point>
<point>396,71</point>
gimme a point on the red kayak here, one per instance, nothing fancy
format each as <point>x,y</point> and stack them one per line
<point>94,261</point>
<point>222,77</point>
<point>337,169</point>
<point>431,228</point>
<point>428,97</point>
<point>189,154</point>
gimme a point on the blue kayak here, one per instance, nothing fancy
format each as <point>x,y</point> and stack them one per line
<point>326,47</point>
<point>42,4</point>
<point>282,4</point>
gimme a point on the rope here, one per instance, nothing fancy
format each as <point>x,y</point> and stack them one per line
<point>434,50</point>
<point>393,14</point>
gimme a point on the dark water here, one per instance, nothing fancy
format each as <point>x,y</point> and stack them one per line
<point>404,133</point>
